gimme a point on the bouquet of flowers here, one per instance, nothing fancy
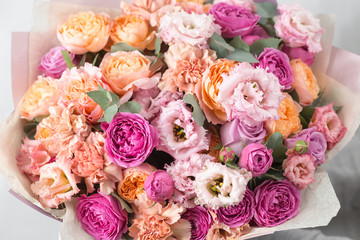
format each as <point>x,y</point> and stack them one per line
<point>179,120</point>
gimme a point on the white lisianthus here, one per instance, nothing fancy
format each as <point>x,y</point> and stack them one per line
<point>218,186</point>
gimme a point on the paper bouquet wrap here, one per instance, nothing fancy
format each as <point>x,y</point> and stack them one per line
<point>337,72</point>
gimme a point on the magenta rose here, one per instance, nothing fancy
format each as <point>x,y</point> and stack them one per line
<point>102,216</point>
<point>328,123</point>
<point>53,64</point>
<point>316,141</point>
<point>238,215</point>
<point>234,20</point>
<point>257,33</point>
<point>237,134</point>
<point>299,53</point>
<point>276,203</point>
<point>159,186</point>
<point>130,139</point>
<point>277,63</point>
<point>256,158</point>
<point>200,220</point>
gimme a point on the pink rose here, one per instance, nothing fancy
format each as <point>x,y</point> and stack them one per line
<point>257,33</point>
<point>299,169</point>
<point>256,158</point>
<point>328,123</point>
<point>159,186</point>
<point>297,28</point>
<point>248,4</point>
<point>299,53</point>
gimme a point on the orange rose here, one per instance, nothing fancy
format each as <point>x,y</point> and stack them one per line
<point>134,30</point>
<point>41,95</point>
<point>126,72</point>
<point>289,121</point>
<point>305,82</point>
<point>85,32</point>
<point>208,91</point>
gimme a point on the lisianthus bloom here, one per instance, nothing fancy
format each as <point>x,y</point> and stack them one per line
<point>186,65</point>
<point>155,221</point>
<point>182,27</point>
<point>57,184</point>
<point>134,30</point>
<point>305,82</point>
<point>238,215</point>
<point>159,186</point>
<point>32,157</point>
<point>74,85</point>
<point>130,139</point>
<point>251,94</point>
<point>248,4</point>
<point>62,129</point>
<point>221,231</point>
<point>201,221</point>
<point>299,53</point>
<point>102,216</point>
<point>276,203</point>
<point>234,20</point>
<point>132,184</point>
<point>299,169</point>
<point>278,63</point>
<point>329,124</point>
<point>84,32</point>
<point>40,96</point>
<point>316,141</point>
<point>257,33</point>
<point>52,64</point>
<point>207,92</point>
<point>217,185</point>
<point>126,72</point>
<point>297,28</point>
<point>256,158</point>
<point>179,134</point>
<point>237,134</point>
<point>289,121</point>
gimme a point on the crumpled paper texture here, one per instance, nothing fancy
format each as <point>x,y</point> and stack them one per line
<point>319,202</point>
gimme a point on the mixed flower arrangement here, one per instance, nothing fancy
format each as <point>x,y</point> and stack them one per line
<point>179,119</point>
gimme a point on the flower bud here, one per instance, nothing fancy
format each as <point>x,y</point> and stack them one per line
<point>301,146</point>
<point>227,154</point>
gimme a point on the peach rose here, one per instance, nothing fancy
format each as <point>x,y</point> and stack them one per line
<point>75,83</point>
<point>56,184</point>
<point>132,184</point>
<point>40,96</point>
<point>126,72</point>
<point>289,121</point>
<point>305,82</point>
<point>208,91</point>
<point>85,32</point>
<point>62,129</point>
<point>186,67</point>
<point>134,30</point>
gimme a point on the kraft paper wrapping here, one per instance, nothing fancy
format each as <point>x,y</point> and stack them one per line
<point>319,203</point>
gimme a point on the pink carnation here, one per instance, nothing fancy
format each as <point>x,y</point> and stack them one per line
<point>250,94</point>
<point>179,134</point>
<point>299,169</point>
<point>297,28</point>
<point>328,123</point>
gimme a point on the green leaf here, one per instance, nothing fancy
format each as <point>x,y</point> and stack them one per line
<point>337,109</point>
<point>232,165</point>
<point>317,100</point>
<point>278,176</point>
<point>218,44</point>
<point>100,98</point>
<point>294,95</point>
<point>67,58</point>
<point>110,112</point>
<point>268,25</point>
<point>241,56</point>
<point>209,2</point>
<point>266,9</point>
<point>258,47</point>
<point>307,113</point>
<point>275,142</point>
<point>198,115</point>
<point>217,147</point>
<point>304,123</point>
<point>122,46</point>
<point>239,44</point>
<point>82,61</point>
<point>30,127</point>
<point>124,205</point>
<point>95,59</point>
<point>158,45</point>
<point>131,107</point>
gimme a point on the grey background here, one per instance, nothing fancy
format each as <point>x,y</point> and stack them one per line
<point>18,221</point>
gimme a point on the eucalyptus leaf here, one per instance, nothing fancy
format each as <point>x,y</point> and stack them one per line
<point>95,59</point>
<point>218,44</point>
<point>158,45</point>
<point>232,165</point>
<point>130,107</point>
<point>124,205</point>
<point>294,95</point>
<point>100,98</point>
<point>122,46</point>
<point>278,176</point>
<point>266,9</point>
<point>268,25</point>
<point>198,115</point>
<point>337,109</point>
<point>275,142</point>
<point>258,47</point>
<point>82,61</point>
<point>303,122</point>
<point>67,58</point>
<point>241,56</point>
<point>317,100</point>
<point>238,43</point>
<point>110,112</point>
<point>307,113</point>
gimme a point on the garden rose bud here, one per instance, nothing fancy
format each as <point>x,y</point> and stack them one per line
<point>256,158</point>
<point>301,146</point>
<point>159,186</point>
<point>227,154</point>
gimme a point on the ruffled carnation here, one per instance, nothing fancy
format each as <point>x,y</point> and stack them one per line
<point>201,221</point>
<point>250,94</point>
<point>221,231</point>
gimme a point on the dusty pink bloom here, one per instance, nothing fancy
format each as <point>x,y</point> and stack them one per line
<point>248,4</point>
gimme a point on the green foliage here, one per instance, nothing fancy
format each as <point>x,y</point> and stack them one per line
<point>275,142</point>
<point>124,205</point>
<point>266,9</point>
<point>130,107</point>
<point>122,46</point>
<point>258,47</point>
<point>198,115</point>
<point>67,58</point>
